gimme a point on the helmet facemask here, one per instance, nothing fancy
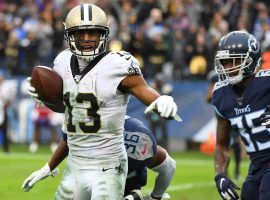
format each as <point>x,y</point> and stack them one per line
<point>87,50</point>
<point>234,73</point>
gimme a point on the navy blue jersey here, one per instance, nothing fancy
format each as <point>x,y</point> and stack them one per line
<point>141,147</point>
<point>214,79</point>
<point>243,109</point>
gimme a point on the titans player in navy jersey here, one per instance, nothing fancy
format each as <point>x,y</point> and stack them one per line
<point>143,152</point>
<point>240,97</point>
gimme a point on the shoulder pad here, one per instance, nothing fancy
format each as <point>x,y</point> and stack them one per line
<point>263,73</point>
<point>62,55</point>
<point>219,84</point>
<point>128,61</point>
<point>61,60</point>
<point>126,56</point>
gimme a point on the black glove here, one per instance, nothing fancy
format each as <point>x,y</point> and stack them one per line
<point>226,187</point>
<point>265,117</point>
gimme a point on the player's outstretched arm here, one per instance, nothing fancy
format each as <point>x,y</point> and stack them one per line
<point>226,188</point>
<point>49,169</point>
<point>164,105</point>
<point>165,166</point>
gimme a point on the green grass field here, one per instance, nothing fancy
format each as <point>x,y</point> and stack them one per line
<point>193,179</point>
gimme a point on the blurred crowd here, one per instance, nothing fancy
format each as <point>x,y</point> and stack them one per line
<point>175,37</point>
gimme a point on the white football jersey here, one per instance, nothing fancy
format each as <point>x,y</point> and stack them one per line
<point>95,108</point>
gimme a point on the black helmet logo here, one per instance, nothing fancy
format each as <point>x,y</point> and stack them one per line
<point>253,44</point>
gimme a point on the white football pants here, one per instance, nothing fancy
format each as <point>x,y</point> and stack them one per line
<point>86,179</point>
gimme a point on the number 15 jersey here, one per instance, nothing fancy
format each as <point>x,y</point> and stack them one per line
<point>95,108</point>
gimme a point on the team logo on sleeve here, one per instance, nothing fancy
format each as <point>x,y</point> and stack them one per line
<point>143,151</point>
<point>133,70</point>
<point>253,44</point>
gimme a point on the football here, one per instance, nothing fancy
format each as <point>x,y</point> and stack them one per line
<point>49,86</point>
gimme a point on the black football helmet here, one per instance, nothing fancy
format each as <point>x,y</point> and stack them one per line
<point>242,51</point>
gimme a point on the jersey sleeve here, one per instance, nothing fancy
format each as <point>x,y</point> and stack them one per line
<point>139,141</point>
<point>127,64</point>
<point>217,98</point>
<point>60,61</point>
<point>64,136</point>
<point>116,67</point>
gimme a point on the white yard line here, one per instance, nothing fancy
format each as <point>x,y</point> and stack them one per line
<point>28,156</point>
<point>185,186</point>
<point>42,156</point>
<point>198,162</point>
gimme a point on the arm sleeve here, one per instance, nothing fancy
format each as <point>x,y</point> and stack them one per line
<point>139,136</point>
<point>165,174</point>
<point>62,59</point>
<point>217,99</point>
<point>218,113</point>
<point>64,136</point>
<point>119,65</point>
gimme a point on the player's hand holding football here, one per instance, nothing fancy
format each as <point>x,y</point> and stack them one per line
<point>165,106</point>
<point>226,188</point>
<point>265,117</point>
<point>32,91</point>
<point>44,172</point>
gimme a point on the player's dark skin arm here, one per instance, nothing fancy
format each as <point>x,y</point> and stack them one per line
<point>209,94</point>
<point>137,86</point>
<point>222,151</point>
<point>59,155</point>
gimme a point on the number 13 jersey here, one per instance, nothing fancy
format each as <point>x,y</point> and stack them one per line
<point>95,108</point>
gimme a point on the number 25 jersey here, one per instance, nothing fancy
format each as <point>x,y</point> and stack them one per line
<point>95,108</point>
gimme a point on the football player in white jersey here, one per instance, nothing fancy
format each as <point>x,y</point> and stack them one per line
<point>96,88</point>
